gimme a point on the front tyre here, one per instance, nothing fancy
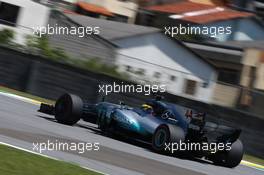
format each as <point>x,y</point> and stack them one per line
<point>68,109</point>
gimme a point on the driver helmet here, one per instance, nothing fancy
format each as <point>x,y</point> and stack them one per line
<point>147,108</point>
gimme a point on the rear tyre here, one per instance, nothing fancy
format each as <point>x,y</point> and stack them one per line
<point>164,135</point>
<point>68,109</point>
<point>231,158</point>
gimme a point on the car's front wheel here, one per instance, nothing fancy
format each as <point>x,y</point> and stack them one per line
<point>68,109</point>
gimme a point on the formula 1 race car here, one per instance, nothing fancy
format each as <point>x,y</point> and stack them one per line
<point>161,124</point>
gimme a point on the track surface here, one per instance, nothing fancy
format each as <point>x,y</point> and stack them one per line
<point>22,125</point>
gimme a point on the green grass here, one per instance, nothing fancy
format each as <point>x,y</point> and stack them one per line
<point>17,162</point>
<point>253,159</point>
<point>23,94</point>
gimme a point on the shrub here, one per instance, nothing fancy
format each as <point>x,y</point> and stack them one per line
<point>6,36</point>
<point>41,46</point>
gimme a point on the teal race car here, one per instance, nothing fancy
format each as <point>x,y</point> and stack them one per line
<point>161,124</point>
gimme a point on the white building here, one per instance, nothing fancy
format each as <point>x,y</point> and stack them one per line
<point>158,59</point>
<point>22,16</point>
<point>149,56</point>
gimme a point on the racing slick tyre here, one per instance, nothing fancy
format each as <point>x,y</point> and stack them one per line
<point>230,158</point>
<point>165,135</point>
<point>68,109</point>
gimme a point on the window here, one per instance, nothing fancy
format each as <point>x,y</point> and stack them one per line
<point>157,75</point>
<point>190,88</point>
<point>119,18</point>
<point>140,71</point>
<point>205,84</point>
<point>229,76</point>
<point>173,78</point>
<point>128,68</point>
<point>8,14</point>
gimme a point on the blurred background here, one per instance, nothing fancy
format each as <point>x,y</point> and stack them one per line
<point>223,75</point>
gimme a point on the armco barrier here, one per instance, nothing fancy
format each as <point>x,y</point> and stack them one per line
<point>48,79</point>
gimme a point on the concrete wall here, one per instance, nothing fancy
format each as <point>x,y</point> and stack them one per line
<point>31,14</point>
<point>157,53</point>
<point>48,79</point>
<point>226,95</point>
<point>260,77</point>
<point>253,58</point>
<point>89,46</point>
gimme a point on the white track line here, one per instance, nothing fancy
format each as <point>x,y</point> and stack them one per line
<point>24,99</point>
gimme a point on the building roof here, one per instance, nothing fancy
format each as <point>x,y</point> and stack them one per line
<point>240,44</point>
<point>179,7</point>
<point>216,52</point>
<point>111,30</point>
<point>66,11</point>
<point>221,15</point>
<point>94,8</point>
<point>198,13</point>
<point>230,45</point>
<point>229,51</point>
<point>212,2</point>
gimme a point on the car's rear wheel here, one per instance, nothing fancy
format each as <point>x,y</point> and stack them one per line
<point>230,158</point>
<point>68,109</point>
<point>165,135</point>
